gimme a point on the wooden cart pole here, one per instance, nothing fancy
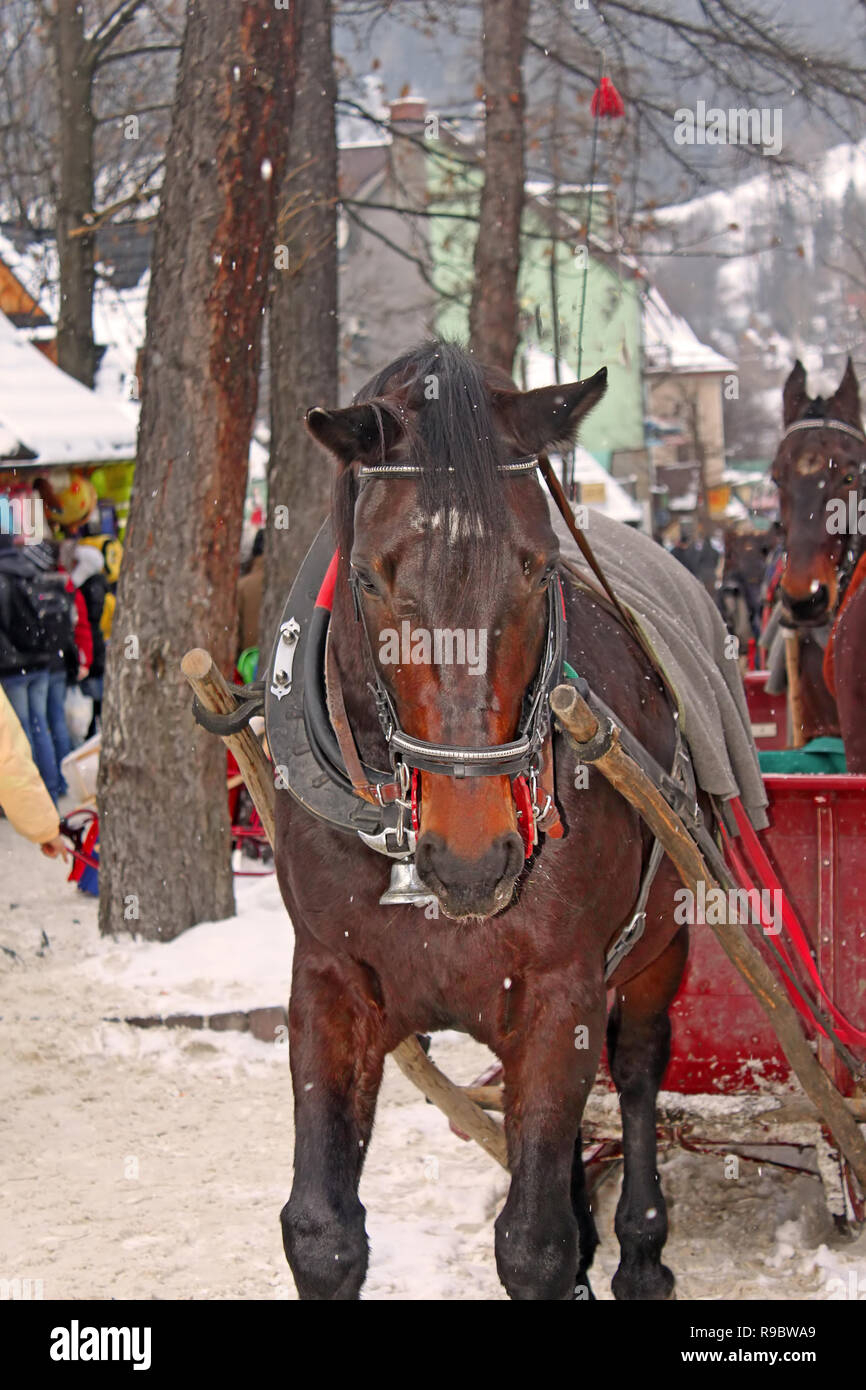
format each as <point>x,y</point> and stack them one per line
<point>214,693</point>
<point>795,689</point>
<point>578,720</point>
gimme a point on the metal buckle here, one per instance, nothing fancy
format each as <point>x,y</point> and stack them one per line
<point>284,658</point>
<point>627,938</point>
<point>379,842</point>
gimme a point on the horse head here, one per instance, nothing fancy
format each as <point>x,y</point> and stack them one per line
<point>452,554</point>
<point>817,470</point>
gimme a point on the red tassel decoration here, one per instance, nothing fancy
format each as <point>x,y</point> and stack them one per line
<point>606,100</point>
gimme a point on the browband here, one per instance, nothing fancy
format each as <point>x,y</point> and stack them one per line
<point>409,470</point>
<point>826,425</point>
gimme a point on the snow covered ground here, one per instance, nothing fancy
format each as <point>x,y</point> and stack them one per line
<point>154,1163</point>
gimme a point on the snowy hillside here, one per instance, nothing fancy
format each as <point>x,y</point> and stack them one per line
<point>771,270</point>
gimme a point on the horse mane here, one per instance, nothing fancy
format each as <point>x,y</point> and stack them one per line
<point>440,395</point>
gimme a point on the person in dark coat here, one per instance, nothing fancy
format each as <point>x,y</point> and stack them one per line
<point>89,577</point>
<point>35,632</point>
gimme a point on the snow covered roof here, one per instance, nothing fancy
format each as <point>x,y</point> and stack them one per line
<point>119,320</point>
<point>601,491</point>
<point>118,313</point>
<point>56,417</point>
<point>539,188</point>
<point>11,447</point>
<point>671,345</point>
<point>34,264</point>
<point>540,368</point>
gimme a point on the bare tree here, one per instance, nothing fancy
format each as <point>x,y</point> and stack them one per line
<point>303,318</point>
<point>493,311</point>
<point>162,783</point>
<point>90,46</point>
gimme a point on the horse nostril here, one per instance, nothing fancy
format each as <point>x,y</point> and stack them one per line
<point>813,606</point>
<point>426,851</point>
<point>501,863</point>
<point>514,854</point>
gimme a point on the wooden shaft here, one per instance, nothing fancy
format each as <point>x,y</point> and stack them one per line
<point>600,1118</point>
<point>623,773</point>
<point>795,691</point>
<point>214,694</point>
<point>461,1110</point>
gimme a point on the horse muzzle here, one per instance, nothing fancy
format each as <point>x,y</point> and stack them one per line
<point>470,888</point>
<point>810,610</point>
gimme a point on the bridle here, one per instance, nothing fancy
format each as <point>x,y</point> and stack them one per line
<point>522,757</point>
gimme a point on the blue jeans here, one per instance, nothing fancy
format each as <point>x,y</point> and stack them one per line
<point>57,726</point>
<point>28,696</point>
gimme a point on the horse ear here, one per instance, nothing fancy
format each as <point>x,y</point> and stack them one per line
<point>362,433</point>
<point>550,414</point>
<point>846,402</point>
<point>795,397</point>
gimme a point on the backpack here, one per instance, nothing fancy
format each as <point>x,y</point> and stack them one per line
<point>41,618</point>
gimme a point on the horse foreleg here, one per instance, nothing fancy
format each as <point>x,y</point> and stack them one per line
<point>550,1060</point>
<point>638,1043</point>
<point>337,1054</point>
<point>586,1229</point>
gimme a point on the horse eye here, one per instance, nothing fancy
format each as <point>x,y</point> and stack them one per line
<point>365,581</point>
<point>848,480</point>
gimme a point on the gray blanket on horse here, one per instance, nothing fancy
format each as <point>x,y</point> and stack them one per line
<point>687,635</point>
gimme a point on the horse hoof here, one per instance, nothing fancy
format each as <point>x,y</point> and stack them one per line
<point>657,1285</point>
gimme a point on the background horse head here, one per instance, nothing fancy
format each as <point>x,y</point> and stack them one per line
<point>739,597</point>
<point>820,467</point>
<point>453,566</point>
<point>817,471</point>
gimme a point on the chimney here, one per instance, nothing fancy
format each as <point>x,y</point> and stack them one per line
<point>408,157</point>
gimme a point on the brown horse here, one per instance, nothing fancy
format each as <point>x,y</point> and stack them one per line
<point>439,523</point>
<point>820,470</point>
<point>739,597</point>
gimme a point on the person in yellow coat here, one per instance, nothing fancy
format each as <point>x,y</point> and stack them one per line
<point>23,794</point>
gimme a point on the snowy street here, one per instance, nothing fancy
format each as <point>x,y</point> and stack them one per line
<point>153,1163</point>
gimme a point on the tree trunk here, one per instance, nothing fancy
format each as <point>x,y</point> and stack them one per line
<point>493,311</point>
<point>76,353</point>
<point>164,853</point>
<point>303,319</point>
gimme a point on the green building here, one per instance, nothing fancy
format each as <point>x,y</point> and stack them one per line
<point>555,275</point>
